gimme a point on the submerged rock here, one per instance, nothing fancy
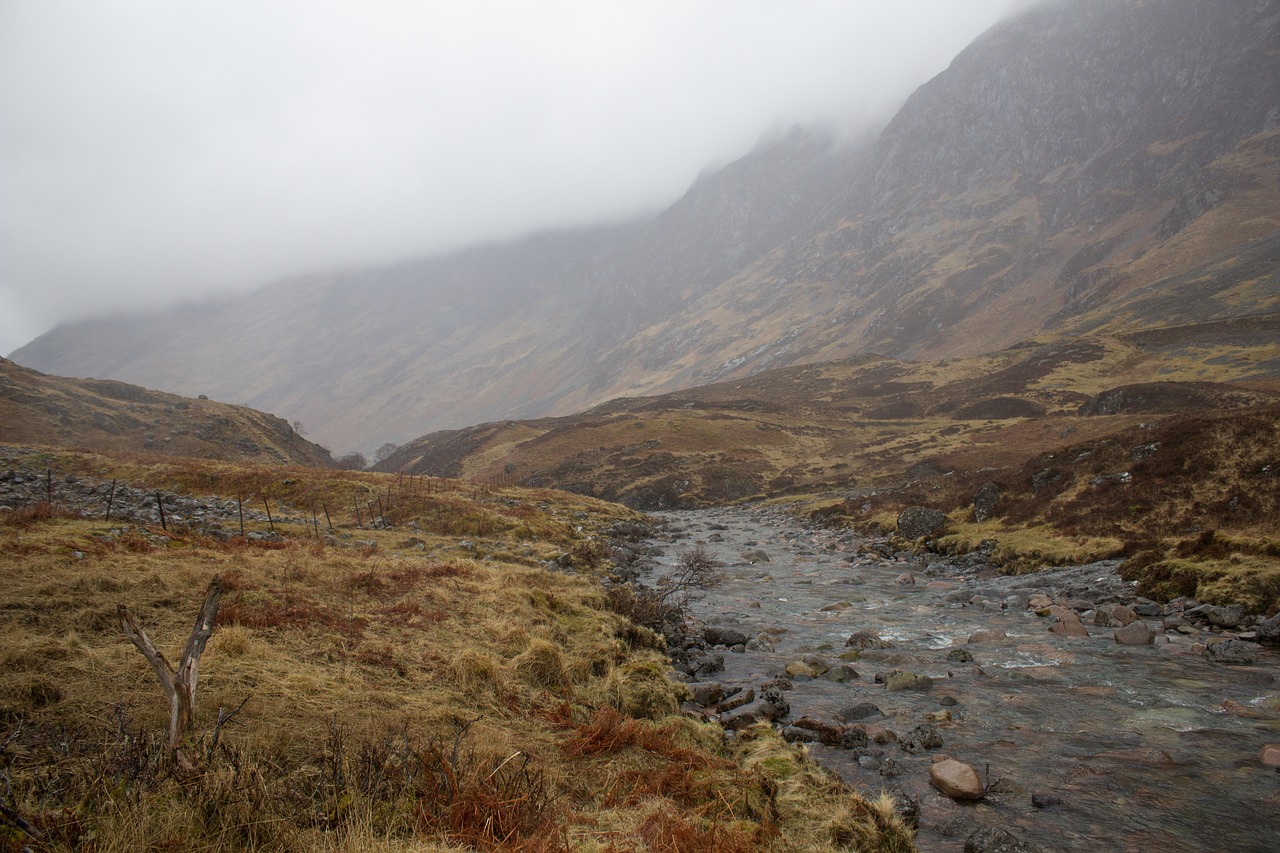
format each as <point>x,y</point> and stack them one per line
<point>993,839</point>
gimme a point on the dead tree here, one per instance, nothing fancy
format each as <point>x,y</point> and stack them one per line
<point>180,684</point>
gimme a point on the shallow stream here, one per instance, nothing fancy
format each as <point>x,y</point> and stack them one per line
<point>1125,748</point>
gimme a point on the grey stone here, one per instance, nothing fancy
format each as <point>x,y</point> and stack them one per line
<point>861,711</point>
<point>721,636</point>
<point>985,500</point>
<point>916,522</point>
<point>922,738</point>
<point>1232,652</point>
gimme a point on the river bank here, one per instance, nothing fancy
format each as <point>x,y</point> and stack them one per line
<point>1130,724</point>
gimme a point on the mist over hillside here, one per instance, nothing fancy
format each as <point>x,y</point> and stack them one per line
<point>1084,166</point>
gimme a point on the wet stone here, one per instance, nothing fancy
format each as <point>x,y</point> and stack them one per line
<point>861,711</point>
<point>1232,652</point>
<point>922,738</point>
<point>956,779</point>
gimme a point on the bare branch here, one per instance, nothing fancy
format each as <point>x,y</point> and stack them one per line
<point>180,685</point>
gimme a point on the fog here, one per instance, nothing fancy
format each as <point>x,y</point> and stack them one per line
<point>153,152</point>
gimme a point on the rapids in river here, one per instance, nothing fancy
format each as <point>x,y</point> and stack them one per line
<point>1084,743</point>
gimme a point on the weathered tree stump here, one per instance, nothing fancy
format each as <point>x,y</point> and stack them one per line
<point>178,684</point>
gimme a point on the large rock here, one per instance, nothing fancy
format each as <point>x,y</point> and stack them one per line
<point>1135,634</point>
<point>828,733</point>
<point>1222,617</point>
<point>991,635</point>
<point>867,639</point>
<point>916,522</point>
<point>749,714</point>
<point>896,681</point>
<point>956,779</point>
<point>1233,652</point>
<point>922,738</point>
<point>716,635</point>
<point>1269,630</point>
<point>1269,755</point>
<point>985,500</point>
<point>706,692</point>
<point>1069,625</point>
<point>861,711</point>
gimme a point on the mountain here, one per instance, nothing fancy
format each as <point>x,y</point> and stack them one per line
<point>108,416</point>
<point>868,423</point>
<point>1087,167</point>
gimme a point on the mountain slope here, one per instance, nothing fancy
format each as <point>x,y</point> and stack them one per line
<point>110,416</point>
<point>867,422</point>
<point>1085,166</point>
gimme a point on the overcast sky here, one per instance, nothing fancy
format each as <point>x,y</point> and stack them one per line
<point>159,150</point>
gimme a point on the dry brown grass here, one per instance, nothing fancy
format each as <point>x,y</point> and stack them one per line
<point>397,699</point>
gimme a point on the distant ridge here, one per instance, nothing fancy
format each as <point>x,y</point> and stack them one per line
<point>1090,166</point>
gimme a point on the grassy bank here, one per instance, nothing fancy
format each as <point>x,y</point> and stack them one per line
<point>393,689</point>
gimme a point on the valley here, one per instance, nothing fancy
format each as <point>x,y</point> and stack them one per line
<point>912,488</point>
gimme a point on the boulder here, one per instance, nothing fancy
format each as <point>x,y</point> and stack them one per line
<point>795,734</point>
<point>1135,634</point>
<point>867,639</point>
<point>861,711</point>
<point>989,636</point>
<point>799,669</point>
<point>984,501</point>
<point>1268,630</point>
<point>716,635</point>
<point>1221,617</point>
<point>959,656</point>
<point>1069,625</point>
<point>922,738</point>
<point>749,714</point>
<point>816,663</point>
<point>1232,652</point>
<point>830,734</point>
<point>737,700</point>
<point>1039,601</point>
<point>917,522</point>
<point>1269,755</point>
<point>897,680</point>
<point>842,673</point>
<point>956,779</point>
<point>706,692</point>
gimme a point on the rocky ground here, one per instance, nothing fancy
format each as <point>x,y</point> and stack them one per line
<point>1012,712</point>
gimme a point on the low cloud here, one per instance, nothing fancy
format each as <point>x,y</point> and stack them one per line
<point>158,152</point>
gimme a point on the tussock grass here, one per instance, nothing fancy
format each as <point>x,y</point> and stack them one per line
<point>409,694</point>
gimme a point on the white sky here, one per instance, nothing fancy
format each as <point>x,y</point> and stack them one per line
<point>154,151</point>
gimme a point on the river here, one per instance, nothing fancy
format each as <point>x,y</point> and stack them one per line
<point>1085,743</point>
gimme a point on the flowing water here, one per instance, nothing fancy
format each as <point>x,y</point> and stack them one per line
<point>1129,746</point>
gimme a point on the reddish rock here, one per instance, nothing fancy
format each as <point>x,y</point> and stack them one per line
<point>828,733</point>
<point>1270,755</point>
<point>956,779</point>
<point>1135,634</point>
<point>991,636</point>
<point>1122,614</point>
<point>1039,601</point>
<point>1069,625</point>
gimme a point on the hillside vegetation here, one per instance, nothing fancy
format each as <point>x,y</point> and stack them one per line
<point>424,682</point>
<point>1096,447</point>
<point>1084,167</point>
<point>109,416</point>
